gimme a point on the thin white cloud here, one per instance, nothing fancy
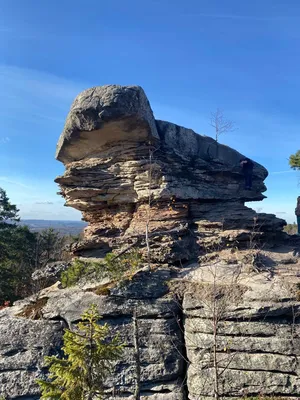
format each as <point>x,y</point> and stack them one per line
<point>44,202</point>
<point>288,171</point>
<point>38,83</point>
<point>4,140</point>
<point>13,182</point>
<point>34,96</point>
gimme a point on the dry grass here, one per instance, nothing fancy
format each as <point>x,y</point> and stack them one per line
<point>34,310</point>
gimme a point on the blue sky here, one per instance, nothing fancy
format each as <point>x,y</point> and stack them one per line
<point>190,57</point>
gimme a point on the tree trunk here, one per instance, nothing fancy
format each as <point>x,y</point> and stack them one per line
<point>215,333</point>
<point>216,374</point>
<point>90,365</point>
<point>136,341</point>
<point>149,209</point>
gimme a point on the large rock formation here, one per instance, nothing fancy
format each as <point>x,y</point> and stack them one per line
<point>129,175</point>
<point>119,159</point>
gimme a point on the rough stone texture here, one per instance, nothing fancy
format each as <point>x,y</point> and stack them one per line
<point>48,275</point>
<point>197,206</point>
<point>258,341</point>
<point>23,342</point>
<point>116,154</point>
<point>117,158</point>
<point>99,114</point>
<point>23,345</point>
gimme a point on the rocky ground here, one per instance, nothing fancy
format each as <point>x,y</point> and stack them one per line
<point>258,341</point>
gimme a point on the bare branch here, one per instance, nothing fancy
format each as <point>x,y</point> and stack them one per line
<point>220,123</point>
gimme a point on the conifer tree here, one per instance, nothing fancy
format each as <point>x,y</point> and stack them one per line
<point>8,211</point>
<point>16,252</point>
<point>88,357</point>
<point>294,160</point>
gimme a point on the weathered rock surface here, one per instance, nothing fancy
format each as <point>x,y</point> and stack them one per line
<point>258,339</point>
<point>118,157</point>
<point>23,345</point>
<point>125,171</point>
<point>98,116</point>
<point>258,342</point>
<point>48,275</point>
<point>24,342</point>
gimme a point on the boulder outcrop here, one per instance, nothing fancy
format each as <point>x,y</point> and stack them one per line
<point>258,338</point>
<point>33,328</point>
<point>134,177</point>
<point>119,160</point>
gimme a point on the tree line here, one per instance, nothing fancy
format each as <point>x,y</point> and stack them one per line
<point>23,251</point>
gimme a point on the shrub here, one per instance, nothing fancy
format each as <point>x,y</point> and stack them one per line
<point>113,267</point>
<point>76,271</point>
<point>291,229</point>
<point>117,267</point>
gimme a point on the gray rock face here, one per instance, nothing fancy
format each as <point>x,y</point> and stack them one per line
<point>24,343</point>
<point>188,145</point>
<point>98,116</point>
<point>48,275</point>
<point>257,344</point>
<point>258,341</point>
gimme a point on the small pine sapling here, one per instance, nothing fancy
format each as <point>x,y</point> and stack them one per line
<point>88,357</point>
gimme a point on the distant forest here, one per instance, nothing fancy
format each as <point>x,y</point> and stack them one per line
<point>63,227</point>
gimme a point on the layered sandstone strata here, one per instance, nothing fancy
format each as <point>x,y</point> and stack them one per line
<point>125,171</point>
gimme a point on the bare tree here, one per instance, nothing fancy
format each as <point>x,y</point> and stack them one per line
<point>216,290</point>
<point>148,218</point>
<point>218,293</point>
<point>151,172</point>
<point>215,293</point>
<point>137,359</point>
<point>220,123</point>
